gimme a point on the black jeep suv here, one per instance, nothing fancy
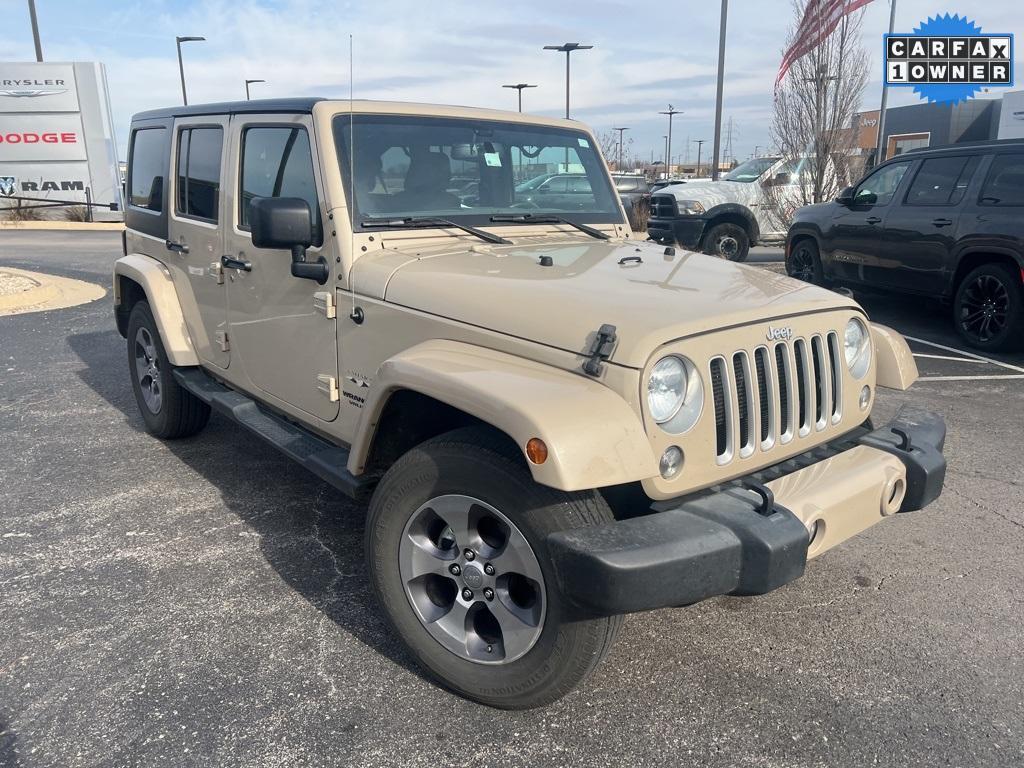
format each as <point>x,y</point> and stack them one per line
<point>946,222</point>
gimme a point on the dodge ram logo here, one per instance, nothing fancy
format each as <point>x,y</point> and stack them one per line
<point>7,186</point>
<point>777,334</point>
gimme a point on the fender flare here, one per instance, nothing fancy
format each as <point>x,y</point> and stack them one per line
<point>737,208</point>
<point>895,366</point>
<point>157,284</point>
<point>594,437</point>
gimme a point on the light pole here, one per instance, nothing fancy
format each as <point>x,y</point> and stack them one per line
<point>672,111</point>
<point>247,86</point>
<point>567,48</point>
<point>665,137</point>
<point>35,29</point>
<point>699,143</point>
<point>618,162</point>
<point>718,97</point>
<point>519,87</point>
<point>181,67</point>
<point>880,142</point>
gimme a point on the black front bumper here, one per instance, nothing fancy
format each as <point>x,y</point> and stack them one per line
<point>686,231</point>
<point>729,542</point>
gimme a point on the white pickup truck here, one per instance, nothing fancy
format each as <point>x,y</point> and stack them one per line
<point>726,217</point>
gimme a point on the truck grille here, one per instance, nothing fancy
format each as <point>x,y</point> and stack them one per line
<point>663,207</point>
<point>774,394</point>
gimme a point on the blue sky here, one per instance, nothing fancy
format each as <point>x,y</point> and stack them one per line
<point>461,53</point>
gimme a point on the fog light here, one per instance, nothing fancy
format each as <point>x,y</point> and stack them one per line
<point>671,462</point>
<point>865,397</point>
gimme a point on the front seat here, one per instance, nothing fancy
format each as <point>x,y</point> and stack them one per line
<point>426,184</point>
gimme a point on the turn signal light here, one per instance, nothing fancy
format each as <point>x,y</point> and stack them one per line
<point>536,451</point>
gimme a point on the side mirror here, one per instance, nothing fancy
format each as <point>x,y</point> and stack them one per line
<point>286,222</point>
<point>845,197</point>
<point>156,194</point>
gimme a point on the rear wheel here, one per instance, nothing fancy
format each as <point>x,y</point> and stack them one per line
<point>168,409</point>
<point>804,262</point>
<point>987,308</point>
<point>457,553</point>
<point>727,241</point>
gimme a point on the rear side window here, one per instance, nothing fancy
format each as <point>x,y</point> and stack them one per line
<point>1005,182</point>
<point>942,180</point>
<point>277,162</point>
<point>145,169</point>
<point>199,151</point>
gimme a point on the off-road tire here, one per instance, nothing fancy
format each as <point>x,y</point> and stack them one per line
<point>727,241</point>
<point>180,413</point>
<point>1003,284</point>
<point>804,262</point>
<point>484,464</point>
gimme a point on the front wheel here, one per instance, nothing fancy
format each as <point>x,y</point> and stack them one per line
<point>457,553</point>
<point>987,308</point>
<point>727,241</point>
<point>804,263</point>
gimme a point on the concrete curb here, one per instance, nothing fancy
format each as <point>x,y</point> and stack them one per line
<point>50,292</point>
<point>77,226</point>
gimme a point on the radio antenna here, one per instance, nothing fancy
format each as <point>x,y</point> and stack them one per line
<point>356,315</point>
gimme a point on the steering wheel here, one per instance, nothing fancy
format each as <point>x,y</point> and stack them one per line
<point>531,155</point>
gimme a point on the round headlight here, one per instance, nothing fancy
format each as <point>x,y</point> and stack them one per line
<point>857,347</point>
<point>666,388</point>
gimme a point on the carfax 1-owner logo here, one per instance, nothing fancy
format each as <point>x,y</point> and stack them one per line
<point>948,59</point>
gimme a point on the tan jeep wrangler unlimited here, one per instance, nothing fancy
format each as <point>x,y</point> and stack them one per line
<point>443,310</point>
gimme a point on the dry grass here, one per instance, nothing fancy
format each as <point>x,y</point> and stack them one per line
<point>15,211</point>
<point>76,213</point>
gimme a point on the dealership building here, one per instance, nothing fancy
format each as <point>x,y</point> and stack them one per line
<point>56,137</point>
<point>936,124</point>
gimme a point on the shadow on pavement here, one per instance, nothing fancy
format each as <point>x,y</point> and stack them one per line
<point>316,547</point>
<point>8,743</point>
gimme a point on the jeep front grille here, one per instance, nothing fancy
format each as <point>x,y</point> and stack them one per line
<point>773,394</point>
<point>663,207</point>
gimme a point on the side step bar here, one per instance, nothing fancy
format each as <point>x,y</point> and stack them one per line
<point>325,460</point>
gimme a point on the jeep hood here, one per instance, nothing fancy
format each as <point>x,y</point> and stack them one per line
<point>650,297</point>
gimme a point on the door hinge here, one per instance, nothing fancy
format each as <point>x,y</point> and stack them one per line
<point>328,385</point>
<point>323,301</point>
<point>216,271</point>
<point>222,340</point>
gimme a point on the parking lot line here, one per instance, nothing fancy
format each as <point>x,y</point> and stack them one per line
<point>950,357</point>
<point>989,360</point>
<point>979,377</point>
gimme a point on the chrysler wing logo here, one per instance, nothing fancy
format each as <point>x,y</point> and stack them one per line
<point>777,334</point>
<point>7,186</point>
<point>30,92</point>
<point>359,381</point>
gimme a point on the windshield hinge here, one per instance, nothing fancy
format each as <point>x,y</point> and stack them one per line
<point>600,350</point>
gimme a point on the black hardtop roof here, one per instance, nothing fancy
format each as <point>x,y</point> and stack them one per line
<point>301,105</point>
<point>972,146</point>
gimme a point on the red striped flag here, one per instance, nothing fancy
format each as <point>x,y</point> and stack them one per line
<point>820,18</point>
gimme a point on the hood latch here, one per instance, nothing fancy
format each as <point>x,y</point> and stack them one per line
<point>600,350</point>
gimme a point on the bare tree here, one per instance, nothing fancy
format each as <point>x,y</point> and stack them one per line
<point>609,143</point>
<point>812,121</point>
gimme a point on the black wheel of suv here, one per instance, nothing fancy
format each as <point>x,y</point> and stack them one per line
<point>804,262</point>
<point>987,309</point>
<point>168,410</point>
<point>727,241</point>
<point>456,547</point>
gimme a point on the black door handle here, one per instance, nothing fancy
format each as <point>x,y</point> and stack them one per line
<point>872,219</point>
<point>176,247</point>
<point>232,263</point>
<point>942,222</point>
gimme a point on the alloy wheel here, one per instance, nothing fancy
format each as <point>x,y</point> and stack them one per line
<point>985,308</point>
<point>727,247</point>
<point>147,370</point>
<point>472,579</point>
<point>802,264</point>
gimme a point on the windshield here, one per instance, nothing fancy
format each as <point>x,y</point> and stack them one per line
<point>750,170</point>
<point>468,170</point>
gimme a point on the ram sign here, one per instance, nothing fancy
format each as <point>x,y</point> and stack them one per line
<point>56,136</point>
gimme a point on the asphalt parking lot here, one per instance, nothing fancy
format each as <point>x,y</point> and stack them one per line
<point>204,602</point>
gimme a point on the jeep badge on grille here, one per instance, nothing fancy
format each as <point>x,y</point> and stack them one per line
<point>775,334</point>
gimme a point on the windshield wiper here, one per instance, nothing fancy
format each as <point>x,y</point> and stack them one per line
<point>544,218</point>
<point>424,222</point>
